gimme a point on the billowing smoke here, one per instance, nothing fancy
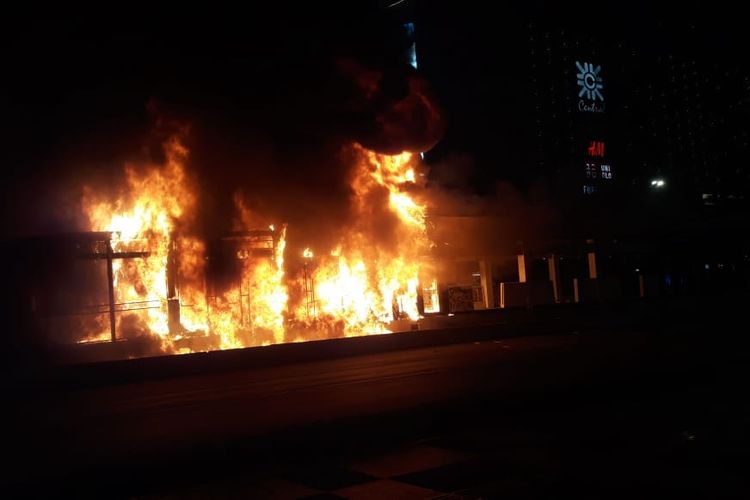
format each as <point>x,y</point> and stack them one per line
<point>271,99</point>
<point>500,222</point>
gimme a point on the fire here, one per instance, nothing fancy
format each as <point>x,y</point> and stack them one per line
<point>364,283</point>
<point>164,288</point>
<point>142,220</point>
<point>147,218</point>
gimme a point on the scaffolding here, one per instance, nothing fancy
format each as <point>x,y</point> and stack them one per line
<point>246,245</point>
<point>54,309</point>
<point>82,246</point>
<point>309,291</point>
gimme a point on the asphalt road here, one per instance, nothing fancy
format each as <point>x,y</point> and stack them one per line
<point>84,429</point>
<point>87,435</point>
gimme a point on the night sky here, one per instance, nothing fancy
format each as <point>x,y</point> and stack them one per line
<point>270,94</point>
<point>280,88</point>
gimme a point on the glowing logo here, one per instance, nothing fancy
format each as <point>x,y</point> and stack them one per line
<point>589,81</point>
<point>596,148</point>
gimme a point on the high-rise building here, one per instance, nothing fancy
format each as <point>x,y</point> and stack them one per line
<point>609,110</point>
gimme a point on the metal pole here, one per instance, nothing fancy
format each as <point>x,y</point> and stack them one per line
<point>312,298</point>
<point>242,312</point>
<point>111,290</point>
<point>173,301</point>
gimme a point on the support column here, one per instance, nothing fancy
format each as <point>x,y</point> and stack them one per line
<point>111,292</point>
<point>553,266</point>
<point>592,265</point>
<point>485,272</point>
<point>522,278</point>
<point>173,301</point>
<point>522,268</point>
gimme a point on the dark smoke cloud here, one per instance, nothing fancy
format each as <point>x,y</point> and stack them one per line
<point>496,223</point>
<point>306,182</point>
<point>395,108</point>
<point>271,115</point>
<point>268,101</point>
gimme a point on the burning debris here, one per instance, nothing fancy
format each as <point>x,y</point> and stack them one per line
<point>304,219</point>
<point>186,293</point>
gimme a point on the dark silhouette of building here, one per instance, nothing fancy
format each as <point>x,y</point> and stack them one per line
<point>664,134</point>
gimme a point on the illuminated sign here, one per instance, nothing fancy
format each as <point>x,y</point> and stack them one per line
<point>592,170</point>
<point>589,81</point>
<point>591,84</point>
<point>596,148</point>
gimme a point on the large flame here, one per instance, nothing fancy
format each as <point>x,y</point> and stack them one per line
<point>366,283</point>
<point>359,287</point>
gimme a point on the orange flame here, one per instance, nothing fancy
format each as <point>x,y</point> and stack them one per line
<point>363,284</point>
<point>145,218</point>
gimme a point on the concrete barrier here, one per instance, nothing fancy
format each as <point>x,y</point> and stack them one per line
<point>588,290</point>
<point>512,294</point>
<point>531,293</point>
<point>585,290</point>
